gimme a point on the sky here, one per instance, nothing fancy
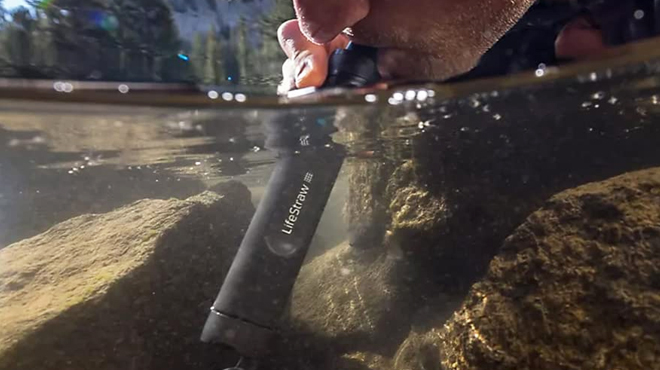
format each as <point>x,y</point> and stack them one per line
<point>9,4</point>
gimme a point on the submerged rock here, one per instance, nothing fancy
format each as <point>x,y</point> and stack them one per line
<point>577,286</point>
<point>127,289</point>
<point>351,293</point>
<point>367,209</point>
<point>350,309</point>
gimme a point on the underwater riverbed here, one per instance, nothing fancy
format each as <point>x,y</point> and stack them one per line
<point>503,224</point>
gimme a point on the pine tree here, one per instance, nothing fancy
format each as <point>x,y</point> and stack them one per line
<point>246,66</point>
<point>213,68</point>
<point>198,56</point>
<point>19,38</point>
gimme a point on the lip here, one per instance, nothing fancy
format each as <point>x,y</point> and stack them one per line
<point>581,23</point>
<point>579,40</point>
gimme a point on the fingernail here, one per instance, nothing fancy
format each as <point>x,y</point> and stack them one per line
<point>303,69</point>
<point>285,86</point>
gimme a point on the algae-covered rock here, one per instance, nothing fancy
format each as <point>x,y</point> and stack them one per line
<point>415,212</point>
<point>367,209</point>
<point>350,309</point>
<point>577,286</point>
<point>352,297</point>
<point>419,351</point>
<point>127,289</point>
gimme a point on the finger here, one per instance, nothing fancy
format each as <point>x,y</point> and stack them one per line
<point>322,20</point>
<point>288,78</point>
<point>310,61</point>
<point>407,64</point>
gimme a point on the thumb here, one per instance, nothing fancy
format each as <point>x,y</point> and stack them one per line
<point>322,20</point>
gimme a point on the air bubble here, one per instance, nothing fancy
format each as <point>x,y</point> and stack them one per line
<point>641,111</point>
<point>393,101</point>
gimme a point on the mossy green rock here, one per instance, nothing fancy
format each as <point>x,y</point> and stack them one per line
<point>577,286</point>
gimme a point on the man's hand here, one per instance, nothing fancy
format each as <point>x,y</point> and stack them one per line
<point>422,39</point>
